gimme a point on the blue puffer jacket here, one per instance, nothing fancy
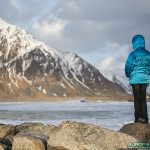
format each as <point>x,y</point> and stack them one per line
<point>137,66</point>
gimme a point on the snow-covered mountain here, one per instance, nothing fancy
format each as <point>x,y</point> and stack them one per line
<point>121,80</point>
<point>29,68</point>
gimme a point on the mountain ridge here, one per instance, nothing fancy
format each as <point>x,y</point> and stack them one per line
<point>121,80</point>
<point>29,68</point>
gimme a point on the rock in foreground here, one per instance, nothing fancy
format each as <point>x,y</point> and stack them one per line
<point>81,136</point>
<point>138,130</point>
<point>69,135</point>
<point>28,141</point>
<point>5,130</point>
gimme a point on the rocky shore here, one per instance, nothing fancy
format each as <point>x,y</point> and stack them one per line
<point>70,135</point>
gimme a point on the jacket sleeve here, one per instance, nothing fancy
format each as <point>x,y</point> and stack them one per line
<point>149,69</point>
<point>129,64</point>
<point>149,63</point>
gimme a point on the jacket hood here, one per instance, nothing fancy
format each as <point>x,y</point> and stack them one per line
<point>138,41</point>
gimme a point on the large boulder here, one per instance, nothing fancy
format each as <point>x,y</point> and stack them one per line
<point>1,148</point>
<point>6,130</point>
<point>25,126</point>
<point>138,130</point>
<point>6,142</point>
<point>28,141</point>
<point>81,136</point>
<point>43,129</point>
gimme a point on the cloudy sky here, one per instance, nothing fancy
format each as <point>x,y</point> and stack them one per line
<point>100,31</point>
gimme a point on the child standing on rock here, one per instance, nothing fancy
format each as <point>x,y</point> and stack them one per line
<point>137,69</point>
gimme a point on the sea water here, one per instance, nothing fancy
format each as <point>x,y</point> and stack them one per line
<point>110,115</point>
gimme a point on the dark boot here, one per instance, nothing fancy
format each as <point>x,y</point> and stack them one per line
<point>141,120</point>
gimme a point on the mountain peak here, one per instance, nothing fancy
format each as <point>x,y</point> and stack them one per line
<point>31,69</point>
<point>4,24</point>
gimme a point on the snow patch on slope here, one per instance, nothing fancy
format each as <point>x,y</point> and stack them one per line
<point>119,79</point>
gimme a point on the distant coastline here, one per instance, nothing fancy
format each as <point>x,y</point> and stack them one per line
<point>62,99</point>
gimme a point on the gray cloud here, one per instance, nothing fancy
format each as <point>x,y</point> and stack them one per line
<point>7,11</point>
<point>23,13</point>
<point>92,23</point>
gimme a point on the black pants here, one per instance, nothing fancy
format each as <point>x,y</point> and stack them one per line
<point>140,106</point>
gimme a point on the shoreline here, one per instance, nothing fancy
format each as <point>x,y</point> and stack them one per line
<point>63,99</point>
